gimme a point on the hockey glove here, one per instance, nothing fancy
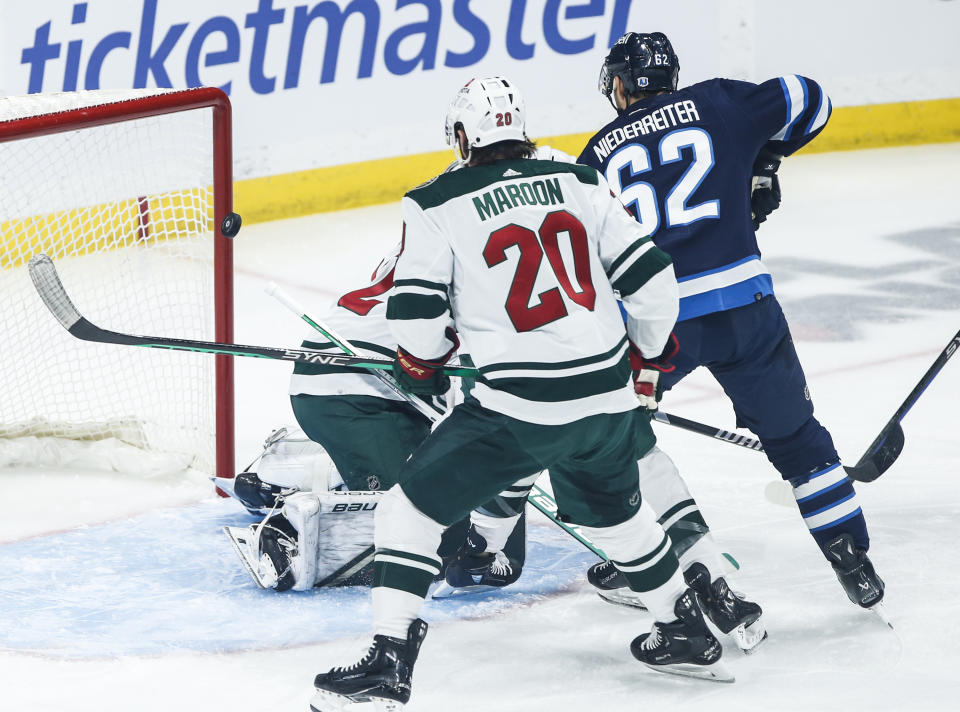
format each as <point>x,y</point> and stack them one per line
<point>765,190</point>
<point>646,373</point>
<point>419,376</point>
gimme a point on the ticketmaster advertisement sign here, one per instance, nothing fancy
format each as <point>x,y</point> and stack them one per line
<point>324,83</point>
<point>335,82</point>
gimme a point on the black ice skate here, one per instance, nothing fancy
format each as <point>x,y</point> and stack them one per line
<point>382,676</point>
<point>474,570</point>
<point>727,610</point>
<point>856,574</point>
<point>683,647</point>
<point>612,585</point>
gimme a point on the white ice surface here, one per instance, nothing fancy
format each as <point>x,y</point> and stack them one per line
<point>866,260</point>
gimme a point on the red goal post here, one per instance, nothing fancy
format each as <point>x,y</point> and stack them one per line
<point>160,221</point>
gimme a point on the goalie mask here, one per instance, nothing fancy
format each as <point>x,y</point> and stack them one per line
<point>489,110</point>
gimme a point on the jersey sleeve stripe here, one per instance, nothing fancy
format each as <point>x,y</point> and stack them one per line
<point>823,113</point>
<point>625,255</point>
<point>614,274</point>
<point>795,93</point>
<point>416,306</point>
<point>649,264</point>
<point>425,284</point>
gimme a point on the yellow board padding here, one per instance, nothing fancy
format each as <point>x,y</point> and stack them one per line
<point>106,226</point>
<point>385,180</point>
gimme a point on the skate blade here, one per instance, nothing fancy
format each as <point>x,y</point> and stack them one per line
<point>325,701</point>
<point>881,613</point>
<point>445,590</point>
<point>749,637</point>
<point>715,672</point>
<point>622,597</point>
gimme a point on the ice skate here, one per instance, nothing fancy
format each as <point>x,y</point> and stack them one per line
<point>856,574</point>
<point>612,585</point>
<point>683,647</point>
<point>729,611</point>
<point>474,570</point>
<point>381,677</point>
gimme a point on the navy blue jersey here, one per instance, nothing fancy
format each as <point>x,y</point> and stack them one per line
<point>682,163</point>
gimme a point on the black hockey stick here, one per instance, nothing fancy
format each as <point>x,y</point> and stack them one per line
<point>708,430</point>
<point>51,291</point>
<point>50,288</point>
<point>885,449</point>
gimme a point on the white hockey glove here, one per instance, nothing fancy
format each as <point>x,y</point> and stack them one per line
<point>646,373</point>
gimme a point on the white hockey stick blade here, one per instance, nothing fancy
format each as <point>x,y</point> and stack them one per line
<point>780,492</point>
<point>717,672</point>
<point>50,288</point>
<point>240,537</point>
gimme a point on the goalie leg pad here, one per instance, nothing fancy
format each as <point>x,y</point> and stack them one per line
<point>302,511</point>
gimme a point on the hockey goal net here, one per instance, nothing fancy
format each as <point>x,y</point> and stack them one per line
<point>126,192</point>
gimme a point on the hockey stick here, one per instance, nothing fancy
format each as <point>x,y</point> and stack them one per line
<point>885,449</point>
<point>538,497</point>
<point>708,430</point>
<point>426,408</point>
<point>778,492</point>
<point>51,291</point>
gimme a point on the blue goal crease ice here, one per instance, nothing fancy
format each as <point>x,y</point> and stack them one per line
<point>170,582</point>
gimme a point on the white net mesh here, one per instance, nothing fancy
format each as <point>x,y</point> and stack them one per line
<point>126,212</point>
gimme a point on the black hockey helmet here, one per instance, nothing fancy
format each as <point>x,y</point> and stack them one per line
<point>643,61</point>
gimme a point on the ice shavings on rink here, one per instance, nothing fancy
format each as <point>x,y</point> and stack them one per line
<point>169,581</point>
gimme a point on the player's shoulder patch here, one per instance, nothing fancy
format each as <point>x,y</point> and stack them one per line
<point>425,184</point>
<point>585,174</point>
<point>432,192</point>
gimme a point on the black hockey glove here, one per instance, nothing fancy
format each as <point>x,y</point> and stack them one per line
<point>765,191</point>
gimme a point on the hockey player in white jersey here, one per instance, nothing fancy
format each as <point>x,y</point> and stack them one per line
<point>522,258</point>
<point>701,560</point>
<point>368,430</point>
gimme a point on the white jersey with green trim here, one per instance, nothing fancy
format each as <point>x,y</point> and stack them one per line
<point>525,259</point>
<point>360,318</point>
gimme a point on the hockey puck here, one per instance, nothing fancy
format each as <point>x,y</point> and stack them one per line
<point>231,224</point>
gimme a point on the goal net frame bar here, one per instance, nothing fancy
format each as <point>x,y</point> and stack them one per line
<point>222,141</point>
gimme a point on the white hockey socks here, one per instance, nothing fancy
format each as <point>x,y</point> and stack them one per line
<point>405,563</point>
<point>494,530</point>
<point>640,549</point>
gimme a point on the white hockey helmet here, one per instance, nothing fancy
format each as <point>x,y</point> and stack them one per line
<point>489,110</point>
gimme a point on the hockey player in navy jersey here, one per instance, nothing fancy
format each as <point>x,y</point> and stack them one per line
<point>697,168</point>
